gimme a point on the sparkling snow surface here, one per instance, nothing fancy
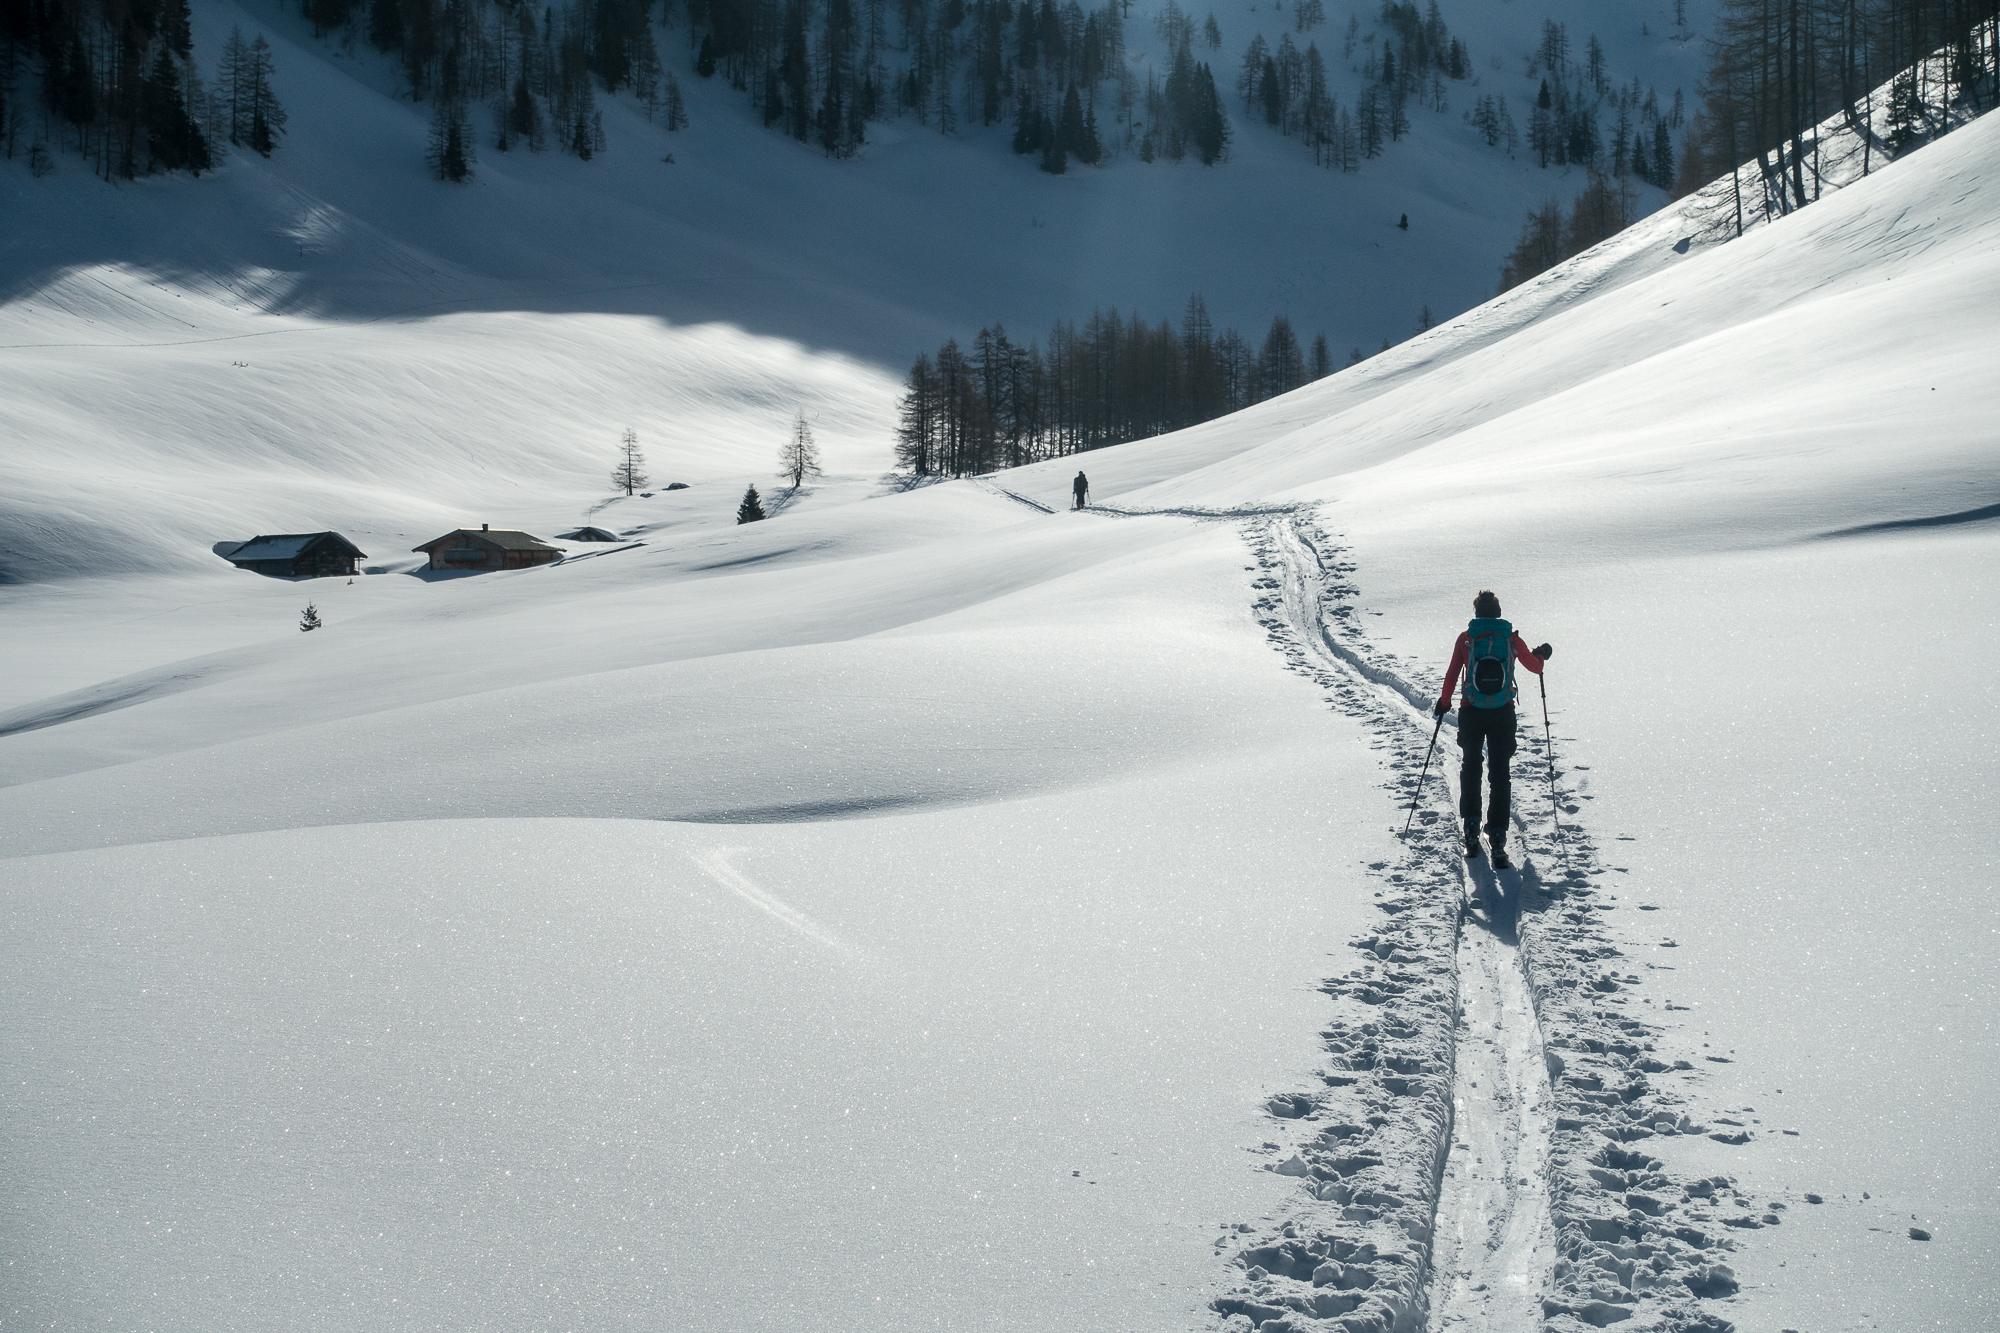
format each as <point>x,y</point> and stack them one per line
<point>895,915</point>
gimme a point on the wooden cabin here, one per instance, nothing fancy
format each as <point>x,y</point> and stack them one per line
<point>307,555</point>
<point>488,547</point>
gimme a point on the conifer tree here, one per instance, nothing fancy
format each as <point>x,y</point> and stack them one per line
<point>629,475</point>
<point>1280,365</point>
<point>309,619</point>
<point>523,120</point>
<point>174,139</point>
<point>676,105</point>
<point>752,507</point>
<point>1250,78</point>
<point>1055,156</point>
<point>917,419</point>
<point>232,86</point>
<point>1027,123</point>
<point>267,115</point>
<point>1071,127</point>
<point>450,152</point>
<point>799,458</point>
<point>1211,126</point>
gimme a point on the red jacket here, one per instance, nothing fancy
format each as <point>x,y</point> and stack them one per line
<point>1463,649</point>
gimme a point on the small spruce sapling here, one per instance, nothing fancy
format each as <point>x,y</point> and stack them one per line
<point>309,619</point>
<point>752,508</point>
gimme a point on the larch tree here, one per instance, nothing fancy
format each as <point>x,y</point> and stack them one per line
<point>451,152</point>
<point>630,473</point>
<point>266,115</point>
<point>799,458</point>
<point>1322,358</point>
<point>1281,364</point>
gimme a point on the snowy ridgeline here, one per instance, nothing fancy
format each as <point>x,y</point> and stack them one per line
<point>926,908</point>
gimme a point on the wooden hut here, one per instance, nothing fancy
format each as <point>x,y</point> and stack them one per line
<point>310,555</point>
<point>488,548</point>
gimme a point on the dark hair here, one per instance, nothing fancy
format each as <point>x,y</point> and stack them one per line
<point>1486,604</point>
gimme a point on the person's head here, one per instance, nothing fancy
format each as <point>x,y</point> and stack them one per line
<point>1486,604</point>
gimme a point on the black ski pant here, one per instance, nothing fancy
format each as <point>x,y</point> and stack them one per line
<point>1491,731</point>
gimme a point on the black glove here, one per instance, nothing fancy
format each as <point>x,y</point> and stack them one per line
<point>1440,708</point>
<point>1545,652</point>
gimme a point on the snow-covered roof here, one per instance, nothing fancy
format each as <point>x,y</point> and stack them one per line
<point>284,546</point>
<point>588,535</point>
<point>273,548</point>
<point>507,539</point>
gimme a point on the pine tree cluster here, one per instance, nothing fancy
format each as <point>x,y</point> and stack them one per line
<point>246,108</point>
<point>1288,88</point>
<point>822,70</point>
<point>119,86</point>
<point>1186,115</point>
<point>535,70</point>
<point>1572,105</point>
<point>1114,380</point>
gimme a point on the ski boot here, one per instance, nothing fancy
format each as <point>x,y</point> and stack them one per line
<point>1472,840</point>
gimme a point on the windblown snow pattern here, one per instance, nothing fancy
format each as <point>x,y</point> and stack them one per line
<point>935,908</point>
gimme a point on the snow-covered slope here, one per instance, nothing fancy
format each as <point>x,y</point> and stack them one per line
<point>923,237</point>
<point>478,349</point>
<point>916,911</point>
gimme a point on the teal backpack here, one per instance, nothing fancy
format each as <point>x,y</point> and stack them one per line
<point>1489,665</point>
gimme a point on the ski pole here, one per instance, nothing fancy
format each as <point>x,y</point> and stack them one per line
<point>1421,776</point>
<point>1549,749</point>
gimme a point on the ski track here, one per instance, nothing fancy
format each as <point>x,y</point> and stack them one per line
<point>1486,1081</point>
<point>1494,1247</point>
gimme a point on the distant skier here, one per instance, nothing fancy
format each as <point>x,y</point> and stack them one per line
<point>1081,487</point>
<point>1486,652</point>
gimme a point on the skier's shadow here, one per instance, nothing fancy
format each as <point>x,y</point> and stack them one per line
<point>1493,902</point>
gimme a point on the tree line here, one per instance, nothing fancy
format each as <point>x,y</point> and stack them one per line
<point>119,86</point>
<point>514,76</point>
<point>1778,68</point>
<point>1114,379</point>
<point>821,71</point>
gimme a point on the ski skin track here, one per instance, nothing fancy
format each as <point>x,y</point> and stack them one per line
<point>1494,1248</point>
<point>1354,1249</point>
<point>1599,1219</point>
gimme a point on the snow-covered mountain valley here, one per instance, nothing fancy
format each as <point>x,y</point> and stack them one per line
<point>933,907</point>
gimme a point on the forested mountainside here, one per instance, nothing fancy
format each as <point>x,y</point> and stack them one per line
<point>117,80</point>
<point>1359,172</point>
